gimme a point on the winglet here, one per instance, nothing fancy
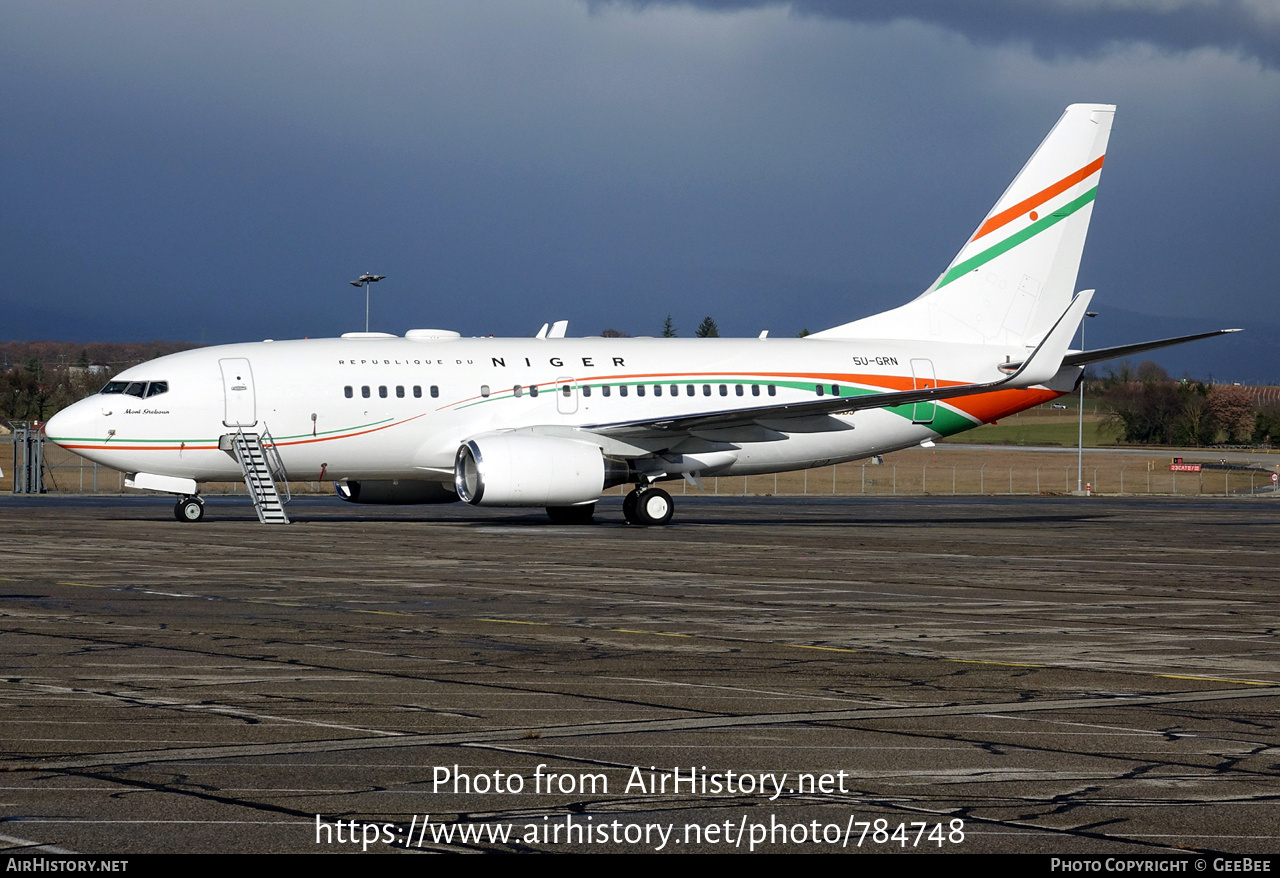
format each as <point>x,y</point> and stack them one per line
<point>1046,359</point>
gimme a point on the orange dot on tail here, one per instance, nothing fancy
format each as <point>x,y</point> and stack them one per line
<point>1034,216</point>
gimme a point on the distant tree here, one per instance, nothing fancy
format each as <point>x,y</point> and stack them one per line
<point>1121,373</point>
<point>615,333</point>
<point>707,329</point>
<point>668,328</point>
<point>1145,405</point>
<point>802,333</point>
<point>1150,371</point>
<point>1232,410</point>
<point>1266,425</point>
<point>1143,411</point>
<point>1195,423</point>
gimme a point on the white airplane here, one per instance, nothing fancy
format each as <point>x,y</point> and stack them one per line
<point>553,421</point>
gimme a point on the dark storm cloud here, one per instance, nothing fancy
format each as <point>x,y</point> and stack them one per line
<point>1057,27</point>
<point>222,171</point>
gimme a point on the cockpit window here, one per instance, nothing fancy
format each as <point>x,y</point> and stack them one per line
<point>140,389</point>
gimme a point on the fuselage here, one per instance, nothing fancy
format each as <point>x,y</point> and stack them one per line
<point>398,408</point>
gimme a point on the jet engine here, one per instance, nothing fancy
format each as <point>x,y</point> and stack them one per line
<point>517,469</point>
<point>398,492</point>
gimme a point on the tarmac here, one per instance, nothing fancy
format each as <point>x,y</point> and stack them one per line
<point>1055,675</point>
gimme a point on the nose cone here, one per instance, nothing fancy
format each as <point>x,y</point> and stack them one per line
<point>75,422</point>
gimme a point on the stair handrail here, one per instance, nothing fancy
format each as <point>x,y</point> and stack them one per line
<point>275,464</point>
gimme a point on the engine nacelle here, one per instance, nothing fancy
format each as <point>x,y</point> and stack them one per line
<point>398,492</point>
<point>517,469</point>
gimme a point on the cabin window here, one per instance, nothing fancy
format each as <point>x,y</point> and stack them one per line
<point>622,390</point>
<point>382,391</point>
<point>399,391</point>
<point>755,389</point>
<point>566,390</point>
<point>435,391</point>
<point>517,391</point>
<point>484,390</point>
<point>818,388</point>
<point>586,390</point>
<point>737,388</point>
<point>606,389</point>
<point>364,391</point>
<point>348,391</point>
<point>690,390</point>
<point>724,390</point>
<point>639,390</point>
<point>657,390</point>
<point>706,390</point>
<point>533,390</point>
<point>417,391</point>
<point>835,389</point>
<point>773,390</point>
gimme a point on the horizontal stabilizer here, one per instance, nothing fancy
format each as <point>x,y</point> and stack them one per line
<point>1101,355</point>
<point>1084,358</point>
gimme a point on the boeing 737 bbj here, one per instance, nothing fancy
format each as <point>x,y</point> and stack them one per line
<point>553,422</point>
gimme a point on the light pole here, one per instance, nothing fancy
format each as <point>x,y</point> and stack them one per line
<point>1080,451</point>
<point>363,281</point>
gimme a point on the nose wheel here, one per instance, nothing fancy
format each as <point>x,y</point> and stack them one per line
<point>189,509</point>
<point>648,507</point>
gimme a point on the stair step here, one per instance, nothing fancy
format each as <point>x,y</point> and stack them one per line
<point>258,478</point>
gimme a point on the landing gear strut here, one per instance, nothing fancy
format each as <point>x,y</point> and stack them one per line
<point>648,507</point>
<point>189,509</point>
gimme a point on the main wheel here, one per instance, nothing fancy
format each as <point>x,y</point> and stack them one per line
<point>189,509</point>
<point>582,514</point>
<point>629,506</point>
<point>654,508</point>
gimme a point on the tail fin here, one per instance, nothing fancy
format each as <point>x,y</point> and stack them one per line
<point>1016,274</point>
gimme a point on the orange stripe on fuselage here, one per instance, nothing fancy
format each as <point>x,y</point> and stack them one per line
<point>988,407</point>
<point>279,443</point>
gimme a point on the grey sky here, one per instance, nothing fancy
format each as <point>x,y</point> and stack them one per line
<point>220,171</point>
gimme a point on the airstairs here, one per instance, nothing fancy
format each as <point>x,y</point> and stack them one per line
<point>261,465</point>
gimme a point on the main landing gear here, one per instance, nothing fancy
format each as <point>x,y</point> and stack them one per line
<point>648,507</point>
<point>189,509</point>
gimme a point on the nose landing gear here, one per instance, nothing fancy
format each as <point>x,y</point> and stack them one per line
<point>189,509</point>
<point>648,507</point>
